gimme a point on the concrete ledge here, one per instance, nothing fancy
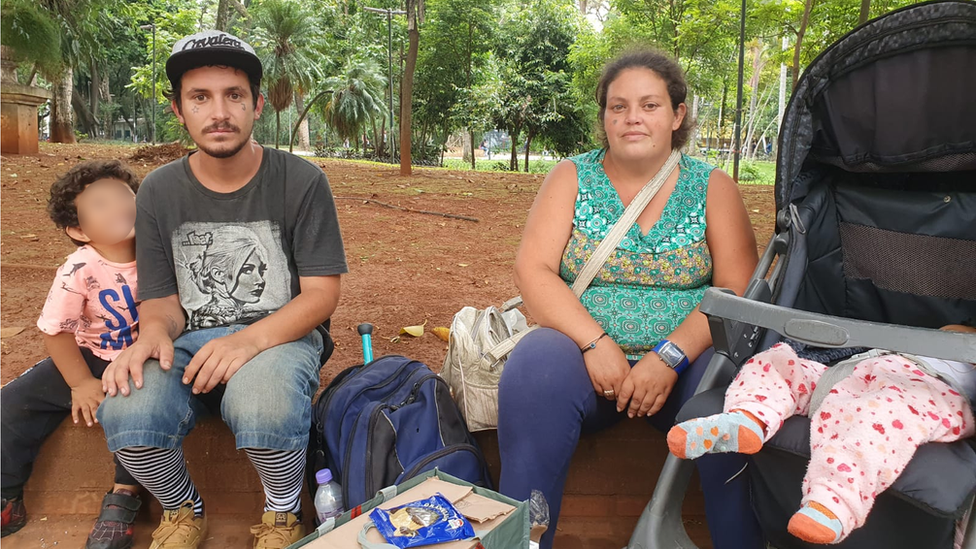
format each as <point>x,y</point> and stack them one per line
<point>75,469</point>
<point>611,479</point>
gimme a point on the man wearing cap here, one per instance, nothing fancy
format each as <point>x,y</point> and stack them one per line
<point>239,256</point>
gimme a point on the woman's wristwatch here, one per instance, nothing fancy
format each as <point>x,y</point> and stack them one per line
<point>672,355</point>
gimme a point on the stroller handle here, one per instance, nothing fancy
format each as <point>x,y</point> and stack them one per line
<point>831,331</point>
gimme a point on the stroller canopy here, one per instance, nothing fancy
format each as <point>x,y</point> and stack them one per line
<point>895,95</point>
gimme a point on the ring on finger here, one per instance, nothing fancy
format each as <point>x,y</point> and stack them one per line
<point>609,393</point>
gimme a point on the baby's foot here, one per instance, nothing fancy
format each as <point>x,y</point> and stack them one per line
<point>815,523</point>
<point>728,432</point>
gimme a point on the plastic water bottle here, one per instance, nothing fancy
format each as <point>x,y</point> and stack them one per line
<point>328,498</point>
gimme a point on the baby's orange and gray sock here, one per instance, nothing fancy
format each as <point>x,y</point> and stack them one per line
<point>815,523</point>
<point>734,431</point>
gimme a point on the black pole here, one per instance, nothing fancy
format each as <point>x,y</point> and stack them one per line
<point>154,87</point>
<point>738,93</point>
<point>389,67</point>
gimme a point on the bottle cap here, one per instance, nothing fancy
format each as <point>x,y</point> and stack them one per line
<point>323,476</point>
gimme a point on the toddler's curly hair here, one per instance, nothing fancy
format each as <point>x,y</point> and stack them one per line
<point>61,206</point>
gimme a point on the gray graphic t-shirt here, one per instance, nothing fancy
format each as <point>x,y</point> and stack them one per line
<point>234,258</point>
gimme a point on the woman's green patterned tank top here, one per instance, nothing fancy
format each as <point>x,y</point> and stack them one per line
<point>651,282</point>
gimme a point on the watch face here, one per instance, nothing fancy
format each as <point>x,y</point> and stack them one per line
<point>670,354</point>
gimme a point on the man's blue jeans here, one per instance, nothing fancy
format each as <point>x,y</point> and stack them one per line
<point>267,403</point>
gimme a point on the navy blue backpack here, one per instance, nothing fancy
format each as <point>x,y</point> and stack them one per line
<point>385,422</point>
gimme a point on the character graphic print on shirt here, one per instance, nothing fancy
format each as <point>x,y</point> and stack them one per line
<point>230,274</point>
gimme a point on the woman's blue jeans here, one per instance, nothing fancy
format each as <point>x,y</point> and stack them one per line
<point>546,400</point>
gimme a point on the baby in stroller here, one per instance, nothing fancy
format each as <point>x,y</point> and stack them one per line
<point>863,433</point>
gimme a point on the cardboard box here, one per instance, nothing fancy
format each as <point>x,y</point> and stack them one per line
<point>499,522</point>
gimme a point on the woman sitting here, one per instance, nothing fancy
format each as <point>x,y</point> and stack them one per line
<point>634,343</point>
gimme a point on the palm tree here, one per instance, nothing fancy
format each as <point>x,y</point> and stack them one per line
<point>286,36</point>
<point>357,98</point>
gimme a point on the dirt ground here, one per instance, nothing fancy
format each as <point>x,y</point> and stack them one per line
<point>406,268</point>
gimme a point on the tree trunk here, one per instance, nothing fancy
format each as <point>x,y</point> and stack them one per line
<point>425,133</point>
<point>62,121</point>
<point>721,112</point>
<point>223,15</point>
<point>93,96</point>
<point>277,126</point>
<point>380,137</point>
<point>865,11</point>
<point>513,161</point>
<point>131,122</point>
<point>303,134</point>
<point>757,65</point>
<point>376,139</point>
<point>807,8</point>
<point>107,110</point>
<point>444,137</point>
<point>89,124</point>
<point>528,142</point>
<point>237,9</point>
<point>406,91</point>
<point>467,146</point>
<point>474,161</point>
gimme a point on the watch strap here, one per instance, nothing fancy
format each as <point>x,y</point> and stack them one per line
<point>665,350</point>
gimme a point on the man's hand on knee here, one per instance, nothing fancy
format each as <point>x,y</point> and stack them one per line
<point>218,360</point>
<point>115,379</point>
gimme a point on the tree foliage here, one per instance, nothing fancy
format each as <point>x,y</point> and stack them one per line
<point>285,39</point>
<point>526,68</point>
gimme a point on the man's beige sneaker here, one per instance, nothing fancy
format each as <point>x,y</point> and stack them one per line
<point>180,529</point>
<point>277,530</point>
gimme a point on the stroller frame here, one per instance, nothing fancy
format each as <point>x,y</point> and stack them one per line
<point>739,324</point>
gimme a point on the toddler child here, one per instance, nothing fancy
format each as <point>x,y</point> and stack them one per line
<point>90,315</point>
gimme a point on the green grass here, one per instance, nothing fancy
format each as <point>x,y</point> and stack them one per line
<point>757,172</point>
<point>500,164</point>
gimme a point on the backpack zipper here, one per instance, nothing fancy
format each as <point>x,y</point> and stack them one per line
<point>374,415</point>
<point>348,456</point>
<point>463,446</point>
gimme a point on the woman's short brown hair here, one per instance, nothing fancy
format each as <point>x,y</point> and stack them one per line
<point>663,66</point>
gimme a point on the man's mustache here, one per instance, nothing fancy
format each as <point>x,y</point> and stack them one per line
<point>222,126</point>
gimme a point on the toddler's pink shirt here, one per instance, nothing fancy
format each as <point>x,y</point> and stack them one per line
<point>94,299</point>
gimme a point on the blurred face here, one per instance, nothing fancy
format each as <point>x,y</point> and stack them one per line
<point>217,109</point>
<point>639,119</point>
<point>106,213</point>
<point>250,279</point>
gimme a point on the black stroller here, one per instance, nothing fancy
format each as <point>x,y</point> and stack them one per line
<point>876,231</point>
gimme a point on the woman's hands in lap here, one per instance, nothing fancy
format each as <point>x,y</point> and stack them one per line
<point>646,387</point>
<point>607,367</point>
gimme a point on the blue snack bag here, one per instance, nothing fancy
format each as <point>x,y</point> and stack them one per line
<point>424,522</point>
